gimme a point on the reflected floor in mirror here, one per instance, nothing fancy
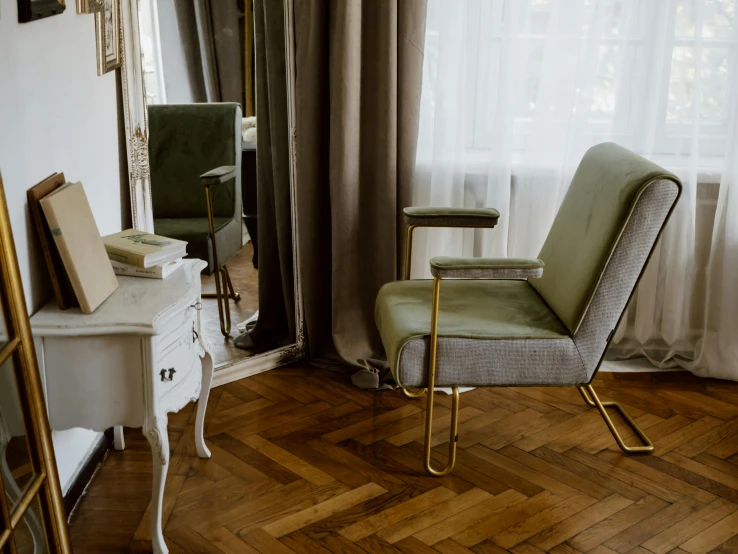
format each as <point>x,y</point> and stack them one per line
<point>246,281</point>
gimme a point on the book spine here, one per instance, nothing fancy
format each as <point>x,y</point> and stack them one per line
<point>66,256</point>
<point>131,258</point>
<point>132,271</point>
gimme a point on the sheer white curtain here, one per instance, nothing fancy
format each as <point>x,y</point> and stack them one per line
<point>515,91</point>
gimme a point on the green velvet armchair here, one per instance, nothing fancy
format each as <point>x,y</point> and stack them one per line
<point>538,322</point>
<point>195,157</point>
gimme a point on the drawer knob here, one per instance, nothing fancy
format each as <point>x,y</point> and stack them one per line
<point>163,374</point>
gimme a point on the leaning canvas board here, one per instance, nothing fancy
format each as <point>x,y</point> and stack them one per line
<point>81,248</point>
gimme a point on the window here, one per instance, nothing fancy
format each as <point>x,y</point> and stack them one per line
<point>636,71</point>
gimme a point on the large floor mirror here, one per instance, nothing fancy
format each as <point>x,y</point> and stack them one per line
<point>213,91</point>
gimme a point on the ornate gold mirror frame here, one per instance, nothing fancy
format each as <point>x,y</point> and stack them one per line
<point>136,131</point>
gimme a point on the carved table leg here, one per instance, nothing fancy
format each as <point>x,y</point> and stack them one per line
<point>119,442</point>
<point>206,359</point>
<point>155,431</point>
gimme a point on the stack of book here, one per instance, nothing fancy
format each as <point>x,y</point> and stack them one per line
<point>138,254</point>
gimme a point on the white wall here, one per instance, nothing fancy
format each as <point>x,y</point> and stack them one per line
<point>56,114</point>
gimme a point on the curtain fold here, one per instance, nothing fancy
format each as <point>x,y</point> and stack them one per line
<point>276,323</point>
<point>515,91</point>
<point>201,52</point>
<point>358,81</point>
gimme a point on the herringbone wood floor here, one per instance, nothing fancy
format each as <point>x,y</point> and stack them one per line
<point>305,463</point>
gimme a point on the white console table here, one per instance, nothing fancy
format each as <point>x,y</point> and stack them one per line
<point>139,356</point>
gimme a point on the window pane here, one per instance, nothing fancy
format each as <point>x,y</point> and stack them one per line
<point>681,85</point>
<point>714,83</point>
<point>713,74</point>
<point>718,17</point>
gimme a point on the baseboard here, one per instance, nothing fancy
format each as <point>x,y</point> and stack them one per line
<point>84,475</point>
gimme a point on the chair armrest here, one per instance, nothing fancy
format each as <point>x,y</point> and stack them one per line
<point>486,268</point>
<point>451,217</point>
<point>218,175</point>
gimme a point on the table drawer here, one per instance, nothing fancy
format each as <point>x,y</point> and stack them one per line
<point>185,324</point>
<point>176,362</point>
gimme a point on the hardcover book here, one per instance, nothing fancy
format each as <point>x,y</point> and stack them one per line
<point>80,246</point>
<point>143,249</point>
<point>161,271</point>
<point>63,290</point>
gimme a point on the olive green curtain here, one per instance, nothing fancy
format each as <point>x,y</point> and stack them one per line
<point>358,77</point>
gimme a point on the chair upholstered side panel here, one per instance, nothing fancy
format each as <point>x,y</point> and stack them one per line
<point>485,362</point>
<point>623,271</point>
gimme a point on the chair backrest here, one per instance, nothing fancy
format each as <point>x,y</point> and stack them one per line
<point>185,141</point>
<point>600,241</point>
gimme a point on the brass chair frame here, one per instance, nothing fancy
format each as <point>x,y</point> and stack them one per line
<point>223,285</point>
<point>586,391</point>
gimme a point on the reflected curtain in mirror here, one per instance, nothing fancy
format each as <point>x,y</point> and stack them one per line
<point>276,323</point>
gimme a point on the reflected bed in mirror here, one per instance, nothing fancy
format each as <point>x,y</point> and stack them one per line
<point>201,66</point>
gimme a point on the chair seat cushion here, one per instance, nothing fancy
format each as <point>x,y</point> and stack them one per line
<point>195,231</point>
<point>491,333</point>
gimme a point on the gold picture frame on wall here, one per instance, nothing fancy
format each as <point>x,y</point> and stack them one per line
<point>108,32</point>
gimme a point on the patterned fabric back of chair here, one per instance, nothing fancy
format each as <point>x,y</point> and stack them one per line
<point>600,241</point>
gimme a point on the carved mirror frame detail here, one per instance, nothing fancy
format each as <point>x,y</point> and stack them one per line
<point>137,133</point>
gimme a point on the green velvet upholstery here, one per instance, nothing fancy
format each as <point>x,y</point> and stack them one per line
<point>424,216</point>
<point>584,233</point>
<point>483,309</point>
<point>186,141</point>
<point>485,268</point>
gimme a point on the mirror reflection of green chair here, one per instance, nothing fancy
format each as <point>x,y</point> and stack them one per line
<point>195,159</point>
<point>538,322</point>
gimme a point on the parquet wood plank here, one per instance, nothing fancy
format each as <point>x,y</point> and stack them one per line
<point>616,523</point>
<point>435,514</point>
<point>713,536</point>
<point>303,462</point>
<point>468,417</point>
<point>562,531</point>
<point>264,543</point>
<point>315,513</point>
<point>591,474</point>
<point>371,525</point>
<point>289,461</point>
<point>630,538</point>
<point>680,532</point>
<point>523,471</point>
<point>504,519</point>
<point>542,520</point>
<point>471,520</point>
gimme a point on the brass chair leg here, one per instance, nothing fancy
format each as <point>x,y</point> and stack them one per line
<point>408,250</point>
<point>222,278</point>
<point>412,393</point>
<point>453,430</point>
<point>236,296</point>
<point>591,398</point>
<point>224,310</point>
